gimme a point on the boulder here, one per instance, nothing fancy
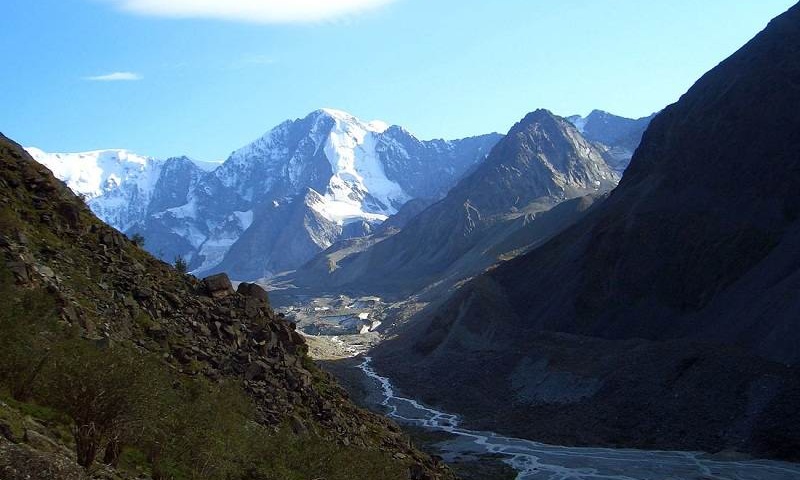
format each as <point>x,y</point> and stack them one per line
<point>45,271</point>
<point>257,370</point>
<point>20,271</point>
<point>70,213</point>
<point>8,433</point>
<point>111,239</point>
<point>218,286</point>
<point>252,290</point>
<point>22,462</point>
<point>43,444</point>
<point>298,427</point>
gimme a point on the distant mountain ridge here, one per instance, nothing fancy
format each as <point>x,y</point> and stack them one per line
<point>290,194</point>
<point>619,136</point>
<point>303,185</point>
<point>666,318</point>
<point>541,162</point>
<point>127,182</point>
<point>113,308</point>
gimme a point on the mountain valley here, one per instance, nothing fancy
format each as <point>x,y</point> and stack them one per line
<point>580,297</point>
<point>666,316</point>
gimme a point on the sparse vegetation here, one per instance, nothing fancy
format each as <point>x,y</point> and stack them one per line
<point>107,392</point>
<point>123,406</point>
<point>90,363</point>
<point>180,264</point>
<point>138,239</point>
<point>25,320</point>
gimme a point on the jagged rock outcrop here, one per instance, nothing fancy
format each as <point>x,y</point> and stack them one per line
<point>218,285</point>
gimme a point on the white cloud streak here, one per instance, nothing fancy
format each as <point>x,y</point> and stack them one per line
<point>115,77</point>
<point>252,11</point>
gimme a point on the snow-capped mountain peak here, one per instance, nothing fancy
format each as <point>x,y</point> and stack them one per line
<point>377,126</point>
<point>275,202</point>
<point>359,188</point>
<point>118,185</point>
<point>330,151</point>
<point>93,173</point>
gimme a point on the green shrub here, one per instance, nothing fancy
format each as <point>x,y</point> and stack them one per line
<point>180,264</point>
<point>107,392</point>
<point>27,316</point>
<point>138,239</point>
<point>206,432</point>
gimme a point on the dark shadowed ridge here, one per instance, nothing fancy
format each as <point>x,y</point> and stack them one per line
<point>668,317</point>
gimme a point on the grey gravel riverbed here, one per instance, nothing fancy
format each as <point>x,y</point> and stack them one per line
<point>538,461</point>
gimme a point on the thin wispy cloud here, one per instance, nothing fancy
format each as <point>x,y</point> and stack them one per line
<point>253,60</point>
<point>115,77</point>
<point>253,11</point>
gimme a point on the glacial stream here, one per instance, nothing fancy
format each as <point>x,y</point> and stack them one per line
<point>538,461</point>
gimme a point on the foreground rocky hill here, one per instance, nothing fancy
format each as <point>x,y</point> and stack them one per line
<point>113,306</point>
<point>668,316</point>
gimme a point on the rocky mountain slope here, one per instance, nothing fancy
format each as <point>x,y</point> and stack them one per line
<point>617,136</point>
<point>667,317</point>
<point>302,186</point>
<point>121,299</point>
<point>541,162</point>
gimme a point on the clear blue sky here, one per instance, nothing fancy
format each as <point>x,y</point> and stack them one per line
<point>441,68</point>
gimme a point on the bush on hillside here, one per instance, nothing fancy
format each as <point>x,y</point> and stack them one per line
<point>26,318</point>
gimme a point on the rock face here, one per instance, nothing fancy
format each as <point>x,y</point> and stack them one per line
<point>21,462</point>
<point>617,136</point>
<point>113,291</point>
<point>218,285</point>
<point>251,290</point>
<point>275,203</point>
<point>676,298</point>
<point>541,162</point>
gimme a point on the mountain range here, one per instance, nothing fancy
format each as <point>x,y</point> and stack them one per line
<point>303,187</point>
<point>119,352</point>
<point>667,316</point>
<point>277,201</point>
<point>504,206</point>
<point>585,280</point>
<point>618,136</point>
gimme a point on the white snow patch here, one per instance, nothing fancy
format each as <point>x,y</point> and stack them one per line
<point>343,212</point>
<point>94,173</point>
<point>207,166</point>
<point>213,254</point>
<point>579,122</point>
<point>188,210</point>
<point>191,233</point>
<point>116,183</point>
<point>359,187</point>
<point>245,219</point>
